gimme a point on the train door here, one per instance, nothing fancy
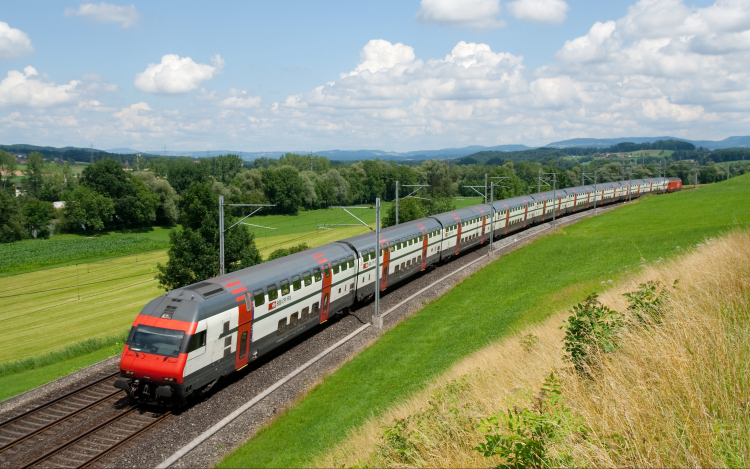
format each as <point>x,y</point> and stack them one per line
<point>386,258</point>
<point>244,331</point>
<point>484,225</point>
<point>507,219</point>
<point>575,202</point>
<point>525,214</point>
<point>325,300</point>
<point>458,238</point>
<point>425,244</point>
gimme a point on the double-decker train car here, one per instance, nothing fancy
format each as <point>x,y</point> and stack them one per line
<point>186,340</point>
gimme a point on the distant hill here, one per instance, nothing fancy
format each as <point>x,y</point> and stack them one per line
<point>731,142</point>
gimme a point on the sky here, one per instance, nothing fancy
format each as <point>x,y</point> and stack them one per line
<point>388,75</point>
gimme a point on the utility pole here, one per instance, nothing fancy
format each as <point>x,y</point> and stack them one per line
<point>221,225</point>
<point>492,208</point>
<point>377,319</point>
<point>545,180</point>
<point>630,179</point>
<point>474,188</point>
<point>397,202</point>
<point>485,188</point>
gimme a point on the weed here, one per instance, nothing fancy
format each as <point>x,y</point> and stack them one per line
<point>648,302</point>
<point>528,342</point>
<point>592,327</point>
<point>520,437</point>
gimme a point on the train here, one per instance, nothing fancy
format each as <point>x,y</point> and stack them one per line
<point>183,342</point>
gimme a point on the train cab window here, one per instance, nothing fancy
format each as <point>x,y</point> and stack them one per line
<point>259,297</point>
<point>316,273</point>
<point>293,320</point>
<point>335,265</point>
<point>273,293</point>
<point>327,271</point>
<point>296,282</point>
<point>305,313</point>
<point>350,261</point>
<point>284,287</point>
<point>197,341</point>
<point>316,310</point>
<point>243,345</point>
<point>282,327</point>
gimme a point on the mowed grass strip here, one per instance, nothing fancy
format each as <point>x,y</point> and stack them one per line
<point>521,288</point>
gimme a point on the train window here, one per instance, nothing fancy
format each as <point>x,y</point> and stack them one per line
<point>296,282</point>
<point>396,269</point>
<point>308,279</point>
<point>403,265</point>
<point>419,258</point>
<point>351,261</point>
<point>305,313</point>
<point>372,253</point>
<point>282,326</point>
<point>327,271</point>
<point>393,248</point>
<point>273,293</point>
<point>284,287</point>
<point>293,320</point>
<point>243,345</point>
<point>316,273</point>
<point>316,309</point>
<point>197,341</point>
<point>344,264</point>
<point>411,241</point>
<point>226,327</point>
<point>335,265</point>
<point>420,239</point>
<point>259,297</point>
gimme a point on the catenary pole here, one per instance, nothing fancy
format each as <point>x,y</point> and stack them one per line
<point>377,319</point>
<point>397,202</point>
<point>221,235</point>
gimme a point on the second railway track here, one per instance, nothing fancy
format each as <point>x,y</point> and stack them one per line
<point>75,429</point>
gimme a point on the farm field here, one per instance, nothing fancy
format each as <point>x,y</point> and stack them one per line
<point>522,288</point>
<point>60,250</point>
<point>656,153</point>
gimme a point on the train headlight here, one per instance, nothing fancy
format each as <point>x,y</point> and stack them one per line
<point>169,380</point>
<point>127,372</point>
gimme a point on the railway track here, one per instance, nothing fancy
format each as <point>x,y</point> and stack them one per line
<point>80,426</point>
<point>92,445</point>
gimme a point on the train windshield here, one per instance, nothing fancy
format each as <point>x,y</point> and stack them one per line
<point>156,340</point>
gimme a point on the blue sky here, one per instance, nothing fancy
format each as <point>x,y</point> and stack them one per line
<point>262,76</point>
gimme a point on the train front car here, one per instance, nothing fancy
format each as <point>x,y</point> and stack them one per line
<point>153,362</point>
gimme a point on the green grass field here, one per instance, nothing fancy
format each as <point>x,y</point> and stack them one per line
<point>61,250</point>
<point>656,153</point>
<point>521,288</point>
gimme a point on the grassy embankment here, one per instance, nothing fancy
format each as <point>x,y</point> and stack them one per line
<point>57,293</point>
<point>672,394</point>
<point>522,288</point>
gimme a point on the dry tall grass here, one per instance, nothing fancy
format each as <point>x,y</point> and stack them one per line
<point>676,394</point>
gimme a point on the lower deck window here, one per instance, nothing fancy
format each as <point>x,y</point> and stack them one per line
<point>305,313</point>
<point>282,327</point>
<point>293,320</point>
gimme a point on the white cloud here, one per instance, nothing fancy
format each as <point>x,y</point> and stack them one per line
<point>475,14</point>
<point>597,45</point>
<point>379,54</point>
<point>539,11</point>
<point>240,100</point>
<point>176,75</point>
<point>29,89</point>
<point>126,16</point>
<point>13,42</point>
<point>138,118</point>
<point>662,109</point>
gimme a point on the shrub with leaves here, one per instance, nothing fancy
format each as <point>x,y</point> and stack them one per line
<point>592,328</point>
<point>648,302</point>
<point>521,437</point>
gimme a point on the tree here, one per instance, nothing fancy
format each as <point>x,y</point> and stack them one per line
<point>225,167</point>
<point>11,220</point>
<point>286,251</point>
<point>167,211</point>
<point>87,209</point>
<point>132,200</point>
<point>38,214</point>
<point>7,170</point>
<point>34,180</point>
<point>284,188</point>
<point>194,251</point>
<point>408,209</point>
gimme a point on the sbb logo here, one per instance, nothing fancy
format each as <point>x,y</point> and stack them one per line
<point>271,305</point>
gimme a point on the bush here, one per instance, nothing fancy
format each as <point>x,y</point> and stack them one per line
<point>591,328</point>
<point>646,305</point>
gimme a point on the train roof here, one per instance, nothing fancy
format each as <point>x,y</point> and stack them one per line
<point>455,217</point>
<point>393,234</point>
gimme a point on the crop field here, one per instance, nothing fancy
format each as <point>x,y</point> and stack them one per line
<point>35,254</point>
<point>656,153</point>
<point>519,289</point>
